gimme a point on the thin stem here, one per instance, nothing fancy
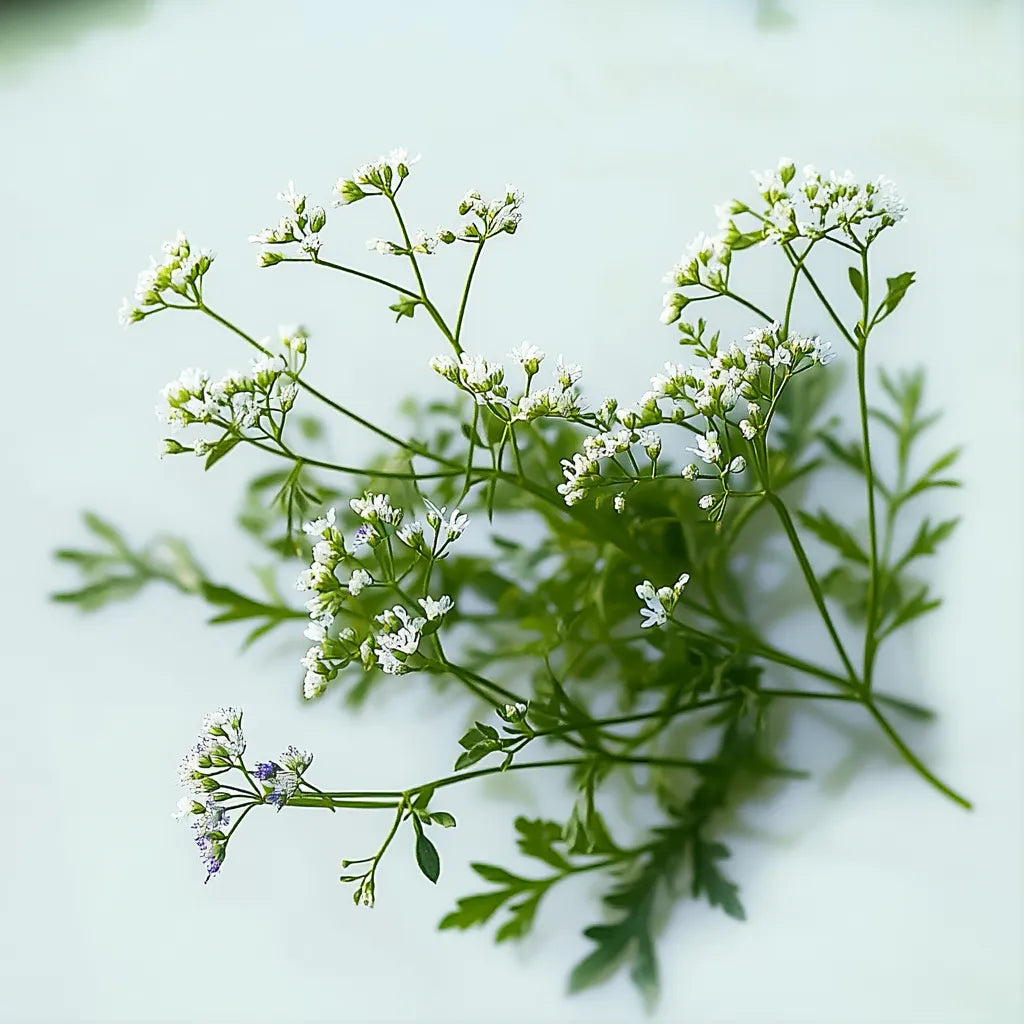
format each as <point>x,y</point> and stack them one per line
<point>373,428</point>
<point>870,642</point>
<point>465,297</point>
<point>912,759</point>
<point>355,273</point>
<point>813,585</point>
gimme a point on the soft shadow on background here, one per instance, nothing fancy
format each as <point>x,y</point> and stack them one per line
<point>869,898</point>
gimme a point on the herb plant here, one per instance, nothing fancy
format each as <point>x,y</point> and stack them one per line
<point>602,623</point>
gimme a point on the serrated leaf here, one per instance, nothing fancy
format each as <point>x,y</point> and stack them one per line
<point>828,530</point>
<point>475,910</point>
<point>521,917</point>
<point>927,539</point>
<point>537,838</point>
<point>499,876</point>
<point>707,879</point>
<point>919,604</point>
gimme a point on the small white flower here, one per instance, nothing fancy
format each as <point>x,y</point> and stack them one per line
<point>708,447</point>
<point>360,579</point>
<point>528,356</point>
<point>318,527</point>
<point>738,464</point>
<point>619,503</point>
<point>567,374</point>
<point>706,501</point>
<point>436,609</point>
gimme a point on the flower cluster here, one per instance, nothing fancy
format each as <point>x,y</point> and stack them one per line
<point>583,471</point>
<point>819,205</point>
<point>475,375</point>
<point>300,226</point>
<point>659,603</point>
<point>281,778</point>
<point>237,402</point>
<point>179,274</point>
<point>382,176</point>
<point>813,209</point>
<point>501,214</point>
<point>220,746</point>
<point>706,261</point>
<point>388,649</point>
<point>758,371</point>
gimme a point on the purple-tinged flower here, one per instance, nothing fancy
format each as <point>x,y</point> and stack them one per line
<point>265,771</point>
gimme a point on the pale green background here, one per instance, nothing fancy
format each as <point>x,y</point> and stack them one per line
<point>624,122</point>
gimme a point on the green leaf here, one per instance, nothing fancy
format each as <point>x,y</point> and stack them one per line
<point>521,917</point>
<point>927,540</point>
<point>919,604</point>
<point>896,288</point>
<point>707,879</point>
<point>219,450</point>
<point>474,754</point>
<point>427,857</point>
<point>857,281</point>
<point>471,738</point>
<point>475,910</point>
<point>826,529</point>
<point>499,876</point>
<point>405,306</point>
<point>442,818</point>
<point>537,838</point>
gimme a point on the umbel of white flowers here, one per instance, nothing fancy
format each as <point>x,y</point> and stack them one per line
<point>336,576</point>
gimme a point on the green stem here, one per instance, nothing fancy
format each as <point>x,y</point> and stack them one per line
<point>870,642</point>
<point>911,758</point>
<point>813,586</point>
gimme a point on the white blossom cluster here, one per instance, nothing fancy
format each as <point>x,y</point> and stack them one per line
<point>819,204</point>
<point>485,382</point>
<point>238,401</point>
<point>220,745</point>
<point>501,214</point>
<point>814,208</point>
<point>659,603</point>
<point>706,261</point>
<point>178,274</point>
<point>423,242</point>
<point>757,371</point>
<point>382,176</point>
<point>584,471</point>
<point>390,648</point>
<point>300,226</point>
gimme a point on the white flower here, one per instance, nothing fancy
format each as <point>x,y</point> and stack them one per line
<point>653,614</point>
<point>436,609</point>
<point>383,247</point>
<point>316,632</point>
<point>706,501</point>
<point>360,579</point>
<point>747,429</point>
<point>567,374</point>
<point>708,447</point>
<point>619,503</point>
<point>528,356</point>
<point>411,534</point>
<point>313,684</point>
<point>738,464</point>
<point>373,508</point>
<point>318,527</point>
